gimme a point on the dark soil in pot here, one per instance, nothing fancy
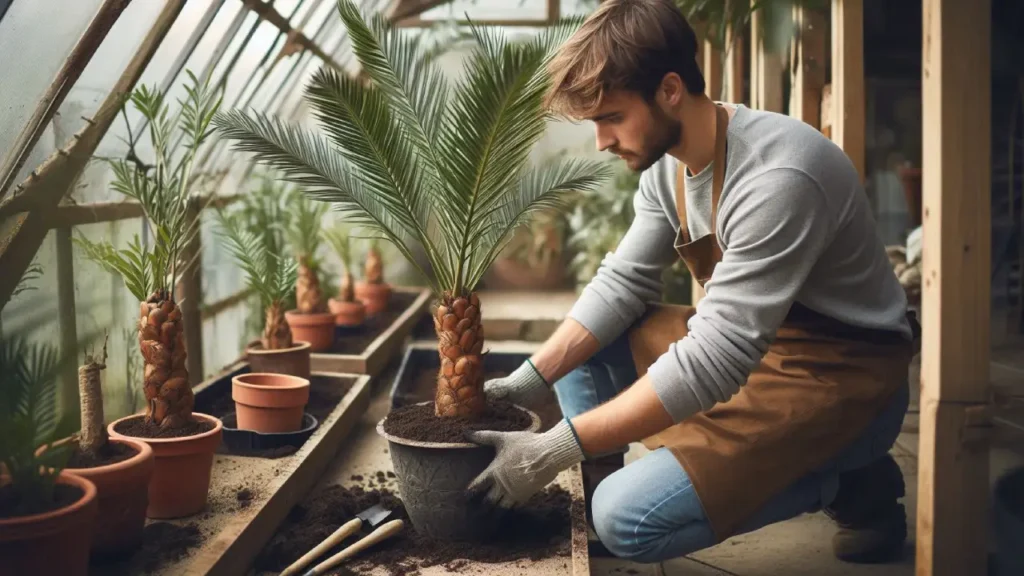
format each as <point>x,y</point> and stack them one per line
<point>539,529</point>
<point>63,495</point>
<point>110,453</point>
<point>357,339</point>
<point>418,422</point>
<point>138,427</point>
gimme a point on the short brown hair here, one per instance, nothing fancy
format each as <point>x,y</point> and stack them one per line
<point>624,45</point>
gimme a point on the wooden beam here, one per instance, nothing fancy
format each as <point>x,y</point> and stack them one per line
<point>807,66</point>
<point>207,311</point>
<point>765,69</point>
<point>62,83</point>
<point>952,518</point>
<point>403,9</point>
<point>733,69</point>
<point>58,174</point>
<point>296,39</point>
<point>848,79</point>
<point>68,401</point>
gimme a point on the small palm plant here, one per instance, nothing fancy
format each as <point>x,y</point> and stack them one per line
<point>340,240</point>
<point>151,272</point>
<point>303,235</point>
<point>419,161</point>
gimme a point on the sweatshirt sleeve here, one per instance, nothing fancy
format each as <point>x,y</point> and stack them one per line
<point>774,227</point>
<point>629,277</point>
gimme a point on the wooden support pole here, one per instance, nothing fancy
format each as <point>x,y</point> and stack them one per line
<point>190,293</point>
<point>67,397</point>
<point>953,487</point>
<point>848,79</point>
<point>733,69</point>
<point>807,66</point>
<point>765,69</point>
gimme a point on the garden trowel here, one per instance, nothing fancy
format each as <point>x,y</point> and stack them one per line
<point>366,520</point>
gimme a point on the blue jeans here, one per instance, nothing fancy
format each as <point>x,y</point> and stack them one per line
<point>648,511</point>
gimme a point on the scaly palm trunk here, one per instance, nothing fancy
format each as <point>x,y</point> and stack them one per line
<point>374,267</point>
<point>460,339</point>
<point>90,390</point>
<point>276,333</point>
<point>346,290</point>
<point>307,289</point>
<point>165,383</point>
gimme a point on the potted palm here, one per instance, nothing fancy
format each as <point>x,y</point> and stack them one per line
<point>348,311</point>
<point>47,514</point>
<point>310,321</point>
<point>183,441</point>
<point>372,290</point>
<point>381,164</point>
<point>272,277</point>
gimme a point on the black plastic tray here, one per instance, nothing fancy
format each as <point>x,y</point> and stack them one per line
<point>242,441</point>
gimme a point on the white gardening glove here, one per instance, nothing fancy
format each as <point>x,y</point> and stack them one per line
<point>524,387</point>
<point>524,463</point>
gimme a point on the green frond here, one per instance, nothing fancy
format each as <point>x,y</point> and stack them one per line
<point>270,275</point>
<point>136,265</point>
<point>34,272</point>
<point>339,238</point>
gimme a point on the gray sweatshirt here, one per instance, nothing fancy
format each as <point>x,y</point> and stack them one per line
<point>794,225</point>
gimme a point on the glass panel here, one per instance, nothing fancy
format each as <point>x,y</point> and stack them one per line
<point>266,38</point>
<point>489,10</point>
<point>225,336</point>
<point>319,15</point>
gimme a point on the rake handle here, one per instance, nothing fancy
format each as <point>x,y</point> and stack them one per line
<point>382,533</point>
<point>346,530</point>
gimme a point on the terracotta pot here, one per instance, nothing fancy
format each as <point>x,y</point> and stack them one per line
<point>292,361</point>
<point>123,494</point>
<point>181,472</point>
<point>347,314</point>
<point>374,296</point>
<point>55,542</point>
<point>269,403</point>
<point>317,329</point>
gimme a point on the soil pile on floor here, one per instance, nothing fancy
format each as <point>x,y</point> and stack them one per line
<point>539,529</point>
<point>357,340</point>
<point>162,543</point>
<point>109,453</point>
<point>139,428</point>
<point>418,422</point>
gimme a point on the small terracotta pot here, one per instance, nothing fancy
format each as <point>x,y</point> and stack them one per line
<point>55,542</point>
<point>374,296</point>
<point>269,403</point>
<point>181,472</point>
<point>292,361</point>
<point>347,314</point>
<point>123,494</point>
<point>317,329</point>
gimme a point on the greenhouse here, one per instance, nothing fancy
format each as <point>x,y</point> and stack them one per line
<point>511,287</point>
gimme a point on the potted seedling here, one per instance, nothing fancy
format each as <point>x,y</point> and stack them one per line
<point>47,515</point>
<point>310,321</point>
<point>418,161</point>
<point>258,252</point>
<point>372,290</point>
<point>183,441</point>
<point>348,311</point>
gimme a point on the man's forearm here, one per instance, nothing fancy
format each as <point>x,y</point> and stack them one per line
<point>631,416</point>
<point>570,346</point>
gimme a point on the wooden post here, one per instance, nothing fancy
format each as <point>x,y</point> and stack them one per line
<point>67,398</point>
<point>733,69</point>
<point>765,69</point>
<point>952,509</point>
<point>190,294</point>
<point>807,66</point>
<point>848,79</point>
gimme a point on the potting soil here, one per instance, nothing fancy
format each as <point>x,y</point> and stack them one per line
<point>539,529</point>
<point>109,453</point>
<point>63,495</point>
<point>356,340</point>
<point>139,428</point>
<point>418,422</point>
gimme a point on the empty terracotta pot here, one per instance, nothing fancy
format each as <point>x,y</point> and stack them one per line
<point>293,361</point>
<point>269,402</point>
<point>317,329</point>
<point>123,493</point>
<point>181,470</point>
<point>374,296</point>
<point>55,542</point>
<point>347,314</point>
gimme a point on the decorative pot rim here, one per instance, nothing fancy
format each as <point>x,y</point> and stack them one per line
<point>89,494</point>
<point>256,347</point>
<point>144,452</point>
<point>534,426</point>
<point>312,319</point>
<point>217,427</point>
<point>294,382</point>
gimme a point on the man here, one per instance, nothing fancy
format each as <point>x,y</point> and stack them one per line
<point>784,390</point>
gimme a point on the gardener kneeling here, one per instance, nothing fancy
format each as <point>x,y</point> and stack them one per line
<point>782,392</point>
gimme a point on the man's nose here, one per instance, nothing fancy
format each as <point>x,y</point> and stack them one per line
<point>604,140</point>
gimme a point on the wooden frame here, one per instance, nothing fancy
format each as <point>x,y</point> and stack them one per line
<point>847,95</point>
<point>384,348</point>
<point>953,466</point>
<point>807,66</point>
<point>765,70</point>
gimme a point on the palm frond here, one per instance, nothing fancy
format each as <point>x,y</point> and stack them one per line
<point>339,237</point>
<point>268,274</point>
<point>136,265</point>
<point>34,272</point>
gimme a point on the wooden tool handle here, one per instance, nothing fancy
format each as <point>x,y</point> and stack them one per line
<point>346,530</point>
<point>382,533</point>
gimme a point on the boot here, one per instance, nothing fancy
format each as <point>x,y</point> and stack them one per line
<point>872,523</point>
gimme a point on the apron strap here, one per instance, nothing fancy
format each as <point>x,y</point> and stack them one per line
<point>717,177</point>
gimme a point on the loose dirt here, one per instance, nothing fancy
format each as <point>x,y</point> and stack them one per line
<point>110,453</point>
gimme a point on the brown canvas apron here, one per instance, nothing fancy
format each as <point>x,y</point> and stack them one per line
<point>816,390</point>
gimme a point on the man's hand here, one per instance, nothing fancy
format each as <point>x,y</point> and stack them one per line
<point>525,462</point>
<point>524,387</point>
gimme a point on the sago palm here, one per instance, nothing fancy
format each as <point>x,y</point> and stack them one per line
<point>339,238</point>
<point>151,271</point>
<point>418,160</point>
<point>303,233</point>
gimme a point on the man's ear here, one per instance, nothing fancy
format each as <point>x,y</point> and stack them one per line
<point>670,91</point>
